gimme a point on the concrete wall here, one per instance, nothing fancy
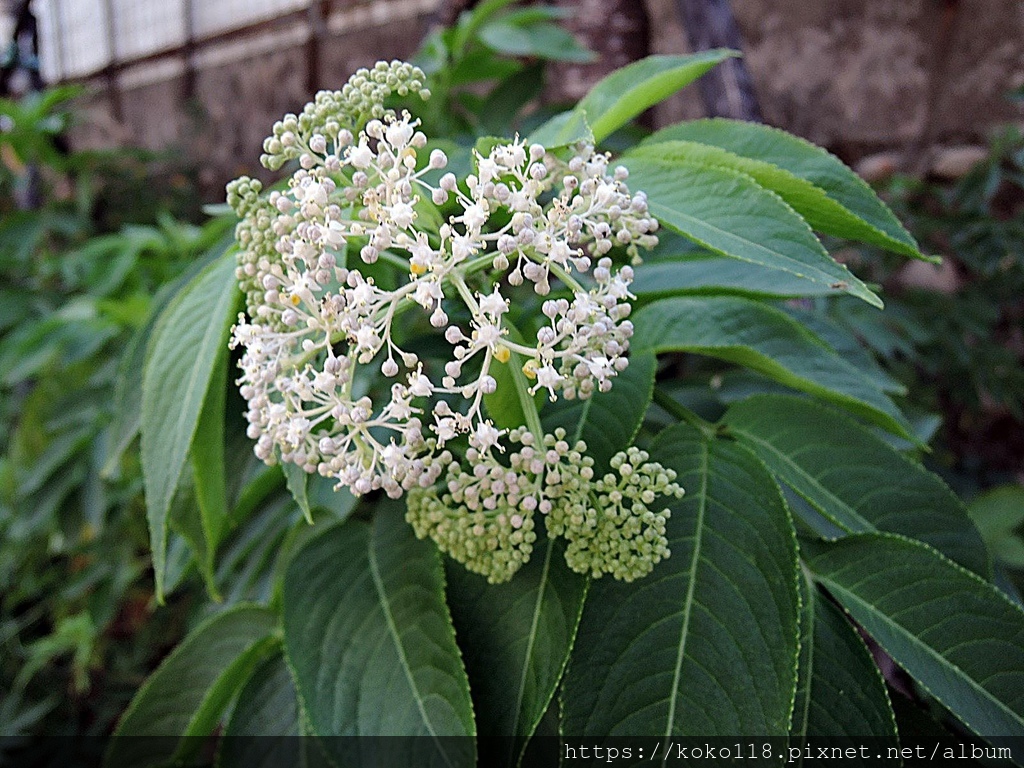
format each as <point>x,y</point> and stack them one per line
<point>858,76</point>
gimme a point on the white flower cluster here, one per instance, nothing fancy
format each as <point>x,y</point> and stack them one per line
<point>319,329</point>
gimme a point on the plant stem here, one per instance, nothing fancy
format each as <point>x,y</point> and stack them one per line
<point>681,412</point>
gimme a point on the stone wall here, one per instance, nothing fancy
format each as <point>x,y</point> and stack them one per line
<point>858,76</point>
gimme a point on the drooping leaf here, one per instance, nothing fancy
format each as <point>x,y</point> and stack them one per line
<point>719,275</point>
<point>208,472</point>
<point>706,644</point>
<point>250,558</point>
<point>296,479</point>
<point>541,39</point>
<point>999,515</point>
<point>768,341</point>
<point>266,723</point>
<point>184,348</point>
<point>853,478</point>
<point>516,639</point>
<point>843,341</point>
<point>563,130</point>
<point>959,637</point>
<point>127,402</point>
<point>729,213</point>
<point>841,695</point>
<point>369,637</point>
<point>187,694</point>
<point>626,92</point>
<point>607,421</point>
<point>185,519</point>
<point>822,212</point>
<point>810,163</point>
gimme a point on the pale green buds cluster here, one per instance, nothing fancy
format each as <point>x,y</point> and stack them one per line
<point>485,520</point>
<point>362,98</point>
<point>614,529</point>
<point>257,241</point>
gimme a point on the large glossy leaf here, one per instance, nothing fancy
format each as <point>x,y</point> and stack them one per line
<point>607,421</point>
<point>187,694</point>
<point>847,344</point>
<point>516,639</point>
<point>297,480</point>
<point>369,637</point>
<point>184,348</point>
<point>999,515</point>
<point>563,130</point>
<point>959,637</point>
<point>853,478</point>
<point>720,275</point>
<point>208,471</point>
<point>266,723</point>
<point>628,91</point>
<point>821,211</point>
<point>127,402</point>
<point>544,40</point>
<point>729,213</point>
<point>809,163</point>
<point>841,695</point>
<point>768,341</point>
<point>706,644</point>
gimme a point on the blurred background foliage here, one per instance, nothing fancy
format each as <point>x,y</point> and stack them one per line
<point>91,243</point>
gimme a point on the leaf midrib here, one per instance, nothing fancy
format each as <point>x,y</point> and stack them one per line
<point>811,618</point>
<point>813,481</point>
<point>690,589</point>
<point>378,584</point>
<point>531,639</point>
<point>941,660</point>
<point>665,213</point>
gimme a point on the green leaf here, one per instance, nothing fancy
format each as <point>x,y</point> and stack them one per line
<point>841,696</point>
<point>504,103</point>
<point>717,275</point>
<point>999,515</point>
<point>959,637</point>
<point>267,705</point>
<point>543,40</point>
<point>607,421</point>
<point>628,91</point>
<point>186,519</point>
<point>706,645</point>
<point>471,21</point>
<point>296,478</point>
<point>184,348</point>
<point>813,164</point>
<point>768,341</point>
<point>848,475</point>
<point>207,454</point>
<point>516,639</point>
<point>729,213</point>
<point>186,695</point>
<point>368,634</point>
<point>127,402</point>
<point>848,345</point>
<point>563,130</point>
<point>266,722</point>
<point>813,203</point>
<point>506,405</point>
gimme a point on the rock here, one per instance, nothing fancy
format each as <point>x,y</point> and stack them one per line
<point>879,167</point>
<point>953,163</point>
<point>941,278</point>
